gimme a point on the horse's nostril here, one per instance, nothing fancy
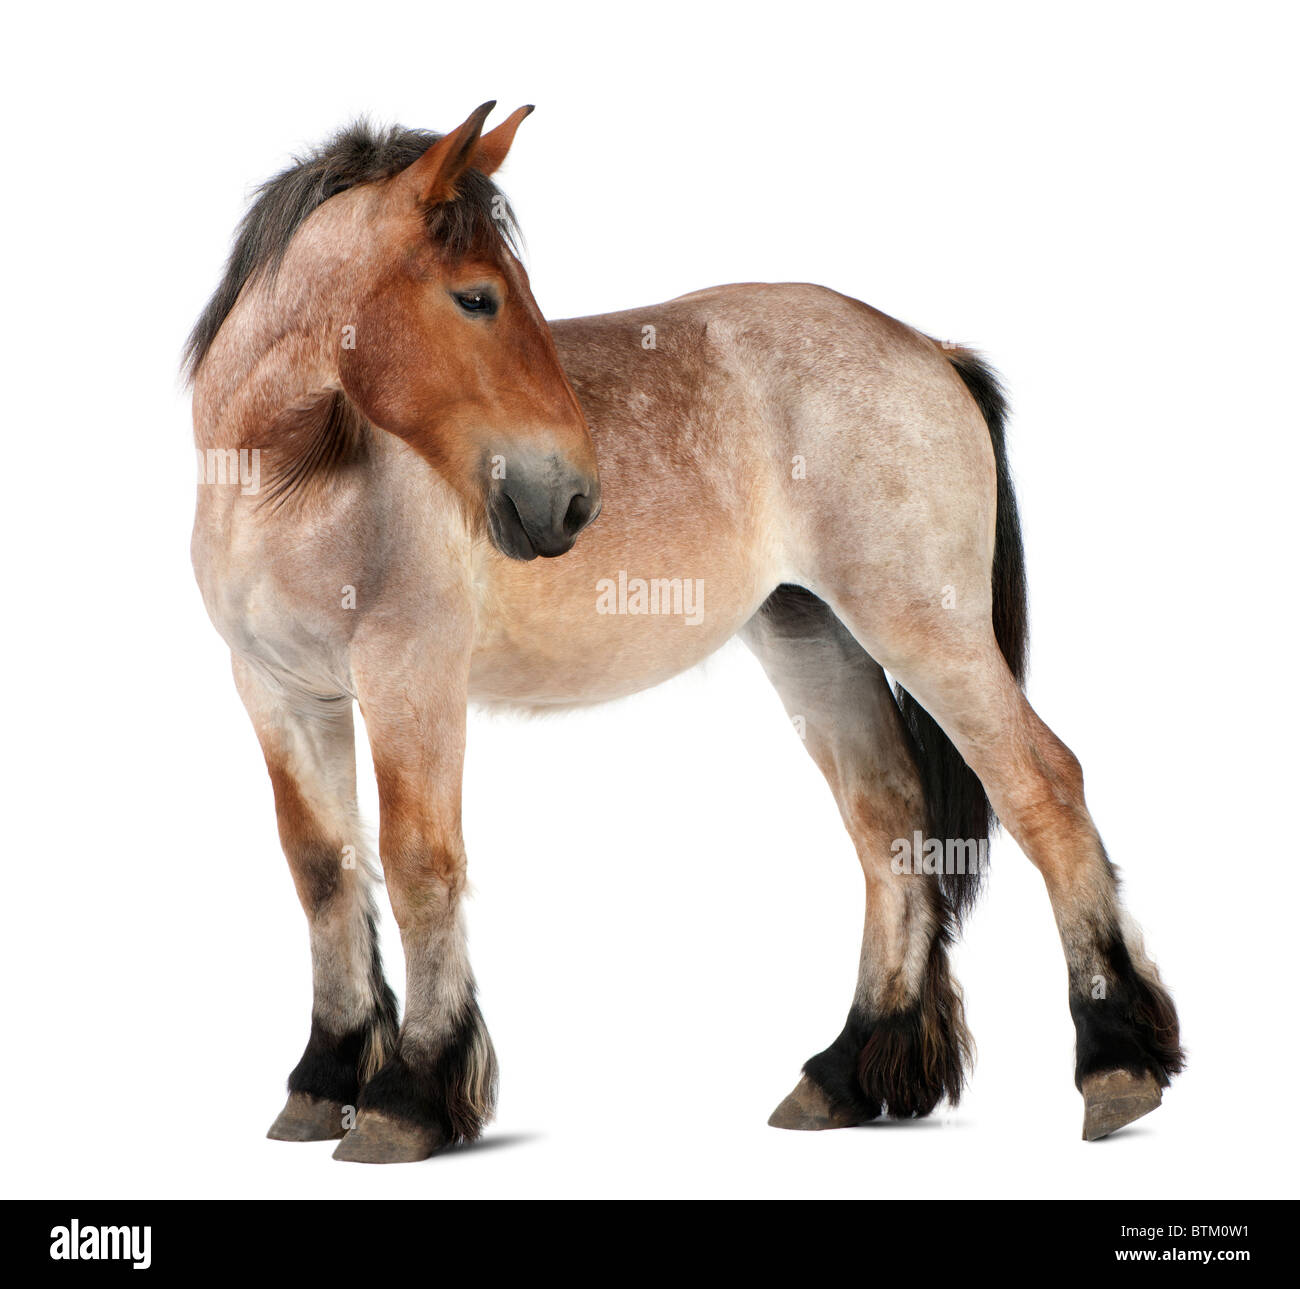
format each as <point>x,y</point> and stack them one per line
<point>577,515</point>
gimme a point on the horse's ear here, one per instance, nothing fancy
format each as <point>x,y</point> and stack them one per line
<point>433,177</point>
<point>494,145</point>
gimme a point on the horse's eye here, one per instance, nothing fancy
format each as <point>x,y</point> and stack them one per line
<point>475,302</point>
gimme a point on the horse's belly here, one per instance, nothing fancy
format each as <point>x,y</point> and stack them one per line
<point>577,637</point>
<point>571,665</point>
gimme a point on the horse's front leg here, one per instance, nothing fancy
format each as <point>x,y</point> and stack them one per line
<point>308,743</point>
<point>440,1086</point>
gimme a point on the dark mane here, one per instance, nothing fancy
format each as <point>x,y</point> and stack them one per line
<point>358,154</point>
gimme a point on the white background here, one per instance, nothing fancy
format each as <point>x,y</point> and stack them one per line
<point>667,911</point>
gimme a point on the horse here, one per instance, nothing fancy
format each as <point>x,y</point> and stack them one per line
<point>397,456</point>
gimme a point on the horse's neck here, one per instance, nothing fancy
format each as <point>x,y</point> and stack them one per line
<point>265,361</point>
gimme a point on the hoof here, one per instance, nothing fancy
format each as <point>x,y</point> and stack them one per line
<point>377,1139</point>
<point>1114,1098</point>
<point>307,1118</point>
<point>808,1109</point>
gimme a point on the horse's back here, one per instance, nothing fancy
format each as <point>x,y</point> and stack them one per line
<point>825,425</point>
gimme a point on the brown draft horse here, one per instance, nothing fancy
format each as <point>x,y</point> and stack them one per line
<point>389,432</point>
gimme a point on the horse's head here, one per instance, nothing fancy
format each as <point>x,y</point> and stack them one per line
<point>448,349</point>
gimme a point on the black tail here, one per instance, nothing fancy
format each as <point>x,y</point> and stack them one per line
<point>956,803</point>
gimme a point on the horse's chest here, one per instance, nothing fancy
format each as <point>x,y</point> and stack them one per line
<point>290,606</point>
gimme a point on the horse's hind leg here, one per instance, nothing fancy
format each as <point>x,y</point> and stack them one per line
<point>308,745</point>
<point>1127,1029</point>
<point>905,1044</point>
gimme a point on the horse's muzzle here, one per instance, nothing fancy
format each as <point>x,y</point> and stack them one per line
<point>541,511</point>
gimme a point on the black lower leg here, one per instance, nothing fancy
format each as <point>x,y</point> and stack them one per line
<point>336,1064</point>
<point>1123,1017</point>
<point>448,1085</point>
<point>902,1064</point>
